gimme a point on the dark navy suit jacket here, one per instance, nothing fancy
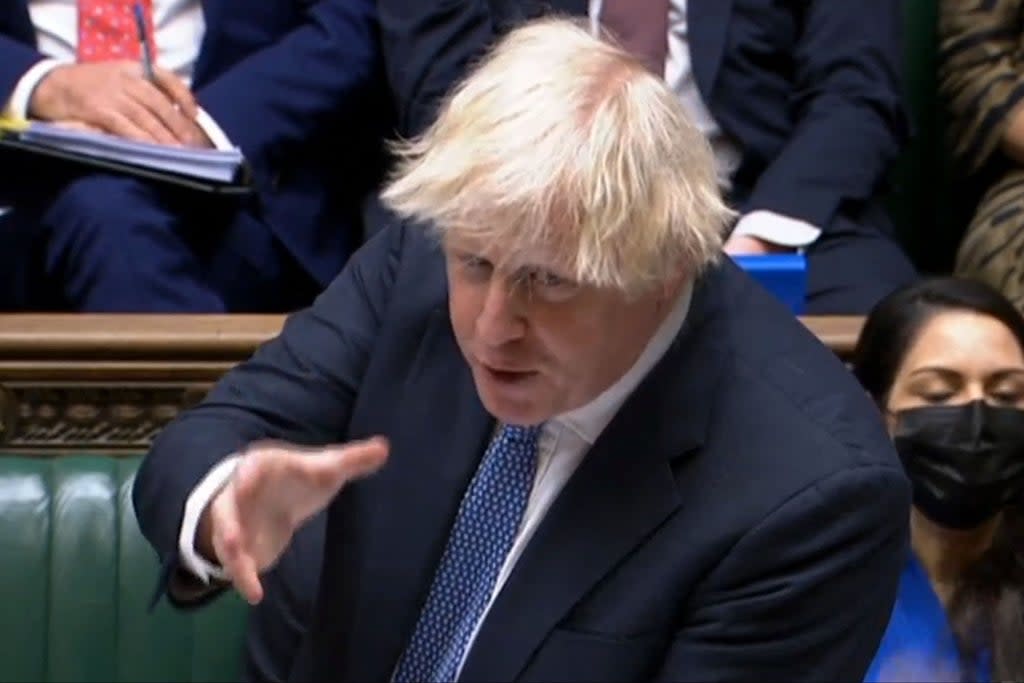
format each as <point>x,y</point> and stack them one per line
<point>743,516</point>
<point>296,85</point>
<point>809,89</point>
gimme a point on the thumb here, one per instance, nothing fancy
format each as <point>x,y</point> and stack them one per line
<point>333,466</point>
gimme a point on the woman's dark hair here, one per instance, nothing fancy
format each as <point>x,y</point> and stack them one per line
<point>986,611</point>
<point>894,323</point>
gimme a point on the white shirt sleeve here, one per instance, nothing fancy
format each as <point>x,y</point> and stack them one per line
<point>777,229</point>
<point>197,502</point>
<point>17,106</point>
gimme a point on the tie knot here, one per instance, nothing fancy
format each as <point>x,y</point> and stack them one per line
<point>520,434</point>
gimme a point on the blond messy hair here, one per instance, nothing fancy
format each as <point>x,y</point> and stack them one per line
<point>560,139</point>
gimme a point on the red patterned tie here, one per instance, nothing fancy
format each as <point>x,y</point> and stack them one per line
<point>641,26</point>
<point>107,29</point>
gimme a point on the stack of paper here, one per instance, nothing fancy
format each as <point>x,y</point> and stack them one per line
<point>207,164</point>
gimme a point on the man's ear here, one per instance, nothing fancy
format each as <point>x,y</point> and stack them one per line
<point>673,285</point>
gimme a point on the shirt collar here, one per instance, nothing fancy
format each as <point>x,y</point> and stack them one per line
<point>589,420</point>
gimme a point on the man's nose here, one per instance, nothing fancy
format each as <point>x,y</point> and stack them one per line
<point>500,319</point>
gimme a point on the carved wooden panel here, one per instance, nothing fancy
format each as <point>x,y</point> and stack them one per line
<point>89,416</point>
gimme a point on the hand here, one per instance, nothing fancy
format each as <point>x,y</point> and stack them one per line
<point>116,98</point>
<point>198,137</point>
<point>79,126</point>
<point>749,245</point>
<point>275,489</point>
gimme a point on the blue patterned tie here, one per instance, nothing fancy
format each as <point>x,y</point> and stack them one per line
<point>478,543</point>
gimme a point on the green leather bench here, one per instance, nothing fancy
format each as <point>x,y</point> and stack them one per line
<point>76,578</point>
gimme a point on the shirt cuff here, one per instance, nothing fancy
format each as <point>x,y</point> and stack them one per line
<point>17,105</point>
<point>216,134</point>
<point>777,229</point>
<point>197,502</point>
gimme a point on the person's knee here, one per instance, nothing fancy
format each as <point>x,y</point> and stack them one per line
<point>850,271</point>
<point>96,207</point>
<point>114,244</point>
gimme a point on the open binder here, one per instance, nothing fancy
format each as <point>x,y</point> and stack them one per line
<point>206,170</point>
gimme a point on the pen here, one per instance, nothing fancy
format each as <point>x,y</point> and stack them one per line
<point>147,52</point>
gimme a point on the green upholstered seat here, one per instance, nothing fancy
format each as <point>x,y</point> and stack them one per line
<point>76,577</point>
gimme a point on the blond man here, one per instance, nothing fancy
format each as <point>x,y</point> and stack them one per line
<point>554,435</point>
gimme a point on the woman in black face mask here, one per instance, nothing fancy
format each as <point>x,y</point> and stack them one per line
<point>944,359</point>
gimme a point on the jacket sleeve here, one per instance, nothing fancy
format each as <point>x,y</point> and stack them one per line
<point>275,100</point>
<point>299,387</point>
<point>806,595</point>
<point>981,74</point>
<point>428,47</point>
<point>849,123</point>
<point>16,58</point>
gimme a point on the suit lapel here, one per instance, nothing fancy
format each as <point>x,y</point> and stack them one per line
<point>707,27</point>
<point>623,490</point>
<point>441,433</point>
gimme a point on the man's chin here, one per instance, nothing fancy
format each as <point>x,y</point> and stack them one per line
<point>507,410</point>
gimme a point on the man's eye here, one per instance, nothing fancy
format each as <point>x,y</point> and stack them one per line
<point>549,280</point>
<point>475,264</point>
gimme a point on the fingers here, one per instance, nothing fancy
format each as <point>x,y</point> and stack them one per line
<point>128,122</point>
<point>158,112</point>
<point>362,458</point>
<point>336,465</point>
<point>78,125</point>
<point>232,550</point>
<point>175,89</point>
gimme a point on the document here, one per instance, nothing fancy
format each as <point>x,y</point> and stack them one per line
<point>219,166</point>
<point>208,164</point>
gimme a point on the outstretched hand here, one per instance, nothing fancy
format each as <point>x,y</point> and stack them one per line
<point>275,489</point>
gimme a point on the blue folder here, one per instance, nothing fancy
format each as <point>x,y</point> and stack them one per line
<point>784,275</point>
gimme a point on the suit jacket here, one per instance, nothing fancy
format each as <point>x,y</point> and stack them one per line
<point>810,90</point>
<point>296,85</point>
<point>743,516</point>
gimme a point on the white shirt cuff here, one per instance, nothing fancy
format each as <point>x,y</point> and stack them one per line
<point>17,105</point>
<point>777,229</point>
<point>197,502</point>
<point>216,134</point>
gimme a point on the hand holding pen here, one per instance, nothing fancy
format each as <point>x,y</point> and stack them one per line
<point>114,97</point>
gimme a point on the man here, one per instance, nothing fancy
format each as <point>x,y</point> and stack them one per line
<point>609,455</point>
<point>294,85</point>
<point>801,101</point>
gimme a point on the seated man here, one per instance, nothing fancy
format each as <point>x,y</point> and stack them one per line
<point>294,85</point>
<point>800,100</point>
<point>609,456</point>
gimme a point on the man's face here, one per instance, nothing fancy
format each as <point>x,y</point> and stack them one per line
<point>538,343</point>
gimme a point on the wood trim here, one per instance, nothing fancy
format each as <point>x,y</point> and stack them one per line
<point>111,382</point>
<point>210,338</point>
<point>130,336</point>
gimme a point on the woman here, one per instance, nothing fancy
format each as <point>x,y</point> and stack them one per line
<point>944,359</point>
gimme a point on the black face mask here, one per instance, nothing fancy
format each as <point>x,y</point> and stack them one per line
<point>966,462</point>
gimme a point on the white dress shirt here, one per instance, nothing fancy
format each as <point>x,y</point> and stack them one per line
<point>564,441</point>
<point>178,28</point>
<point>766,225</point>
